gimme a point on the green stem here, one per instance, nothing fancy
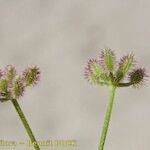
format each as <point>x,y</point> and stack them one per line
<point>107,117</point>
<point>124,84</point>
<point>25,123</point>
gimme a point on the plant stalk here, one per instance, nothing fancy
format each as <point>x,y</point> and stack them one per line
<point>107,117</point>
<point>25,123</point>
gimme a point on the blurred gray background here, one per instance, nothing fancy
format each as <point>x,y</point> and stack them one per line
<point>59,36</point>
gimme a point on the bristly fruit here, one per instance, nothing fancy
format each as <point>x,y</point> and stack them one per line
<point>10,72</point>
<point>137,76</point>
<point>124,65</point>
<point>108,71</point>
<point>93,71</point>
<point>31,75</point>
<point>13,85</point>
<point>1,73</point>
<point>18,87</point>
<point>3,85</point>
<point>104,71</point>
<point>107,59</point>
